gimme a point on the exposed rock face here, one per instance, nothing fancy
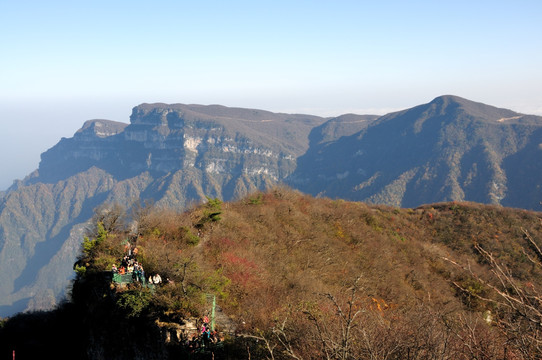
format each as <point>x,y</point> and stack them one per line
<point>448,149</point>
<point>224,142</point>
<point>99,128</point>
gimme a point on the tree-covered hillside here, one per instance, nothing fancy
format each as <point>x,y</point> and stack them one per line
<point>295,277</point>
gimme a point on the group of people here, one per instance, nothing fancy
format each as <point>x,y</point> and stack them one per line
<point>205,337</point>
<point>130,265</point>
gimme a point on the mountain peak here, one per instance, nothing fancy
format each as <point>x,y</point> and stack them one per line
<point>449,98</point>
<point>473,109</point>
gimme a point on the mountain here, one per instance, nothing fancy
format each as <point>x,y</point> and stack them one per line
<point>450,149</point>
<point>174,155</point>
<point>335,128</point>
<point>164,138</point>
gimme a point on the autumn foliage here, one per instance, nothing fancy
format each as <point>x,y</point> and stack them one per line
<point>308,278</point>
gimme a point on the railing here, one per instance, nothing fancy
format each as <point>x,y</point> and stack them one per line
<point>128,278</point>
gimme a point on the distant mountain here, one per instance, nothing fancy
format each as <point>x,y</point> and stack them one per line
<point>164,138</point>
<point>449,149</point>
<point>337,127</point>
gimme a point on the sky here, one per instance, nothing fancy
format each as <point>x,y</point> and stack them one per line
<point>65,62</point>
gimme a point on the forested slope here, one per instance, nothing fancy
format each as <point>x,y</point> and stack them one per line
<point>306,278</point>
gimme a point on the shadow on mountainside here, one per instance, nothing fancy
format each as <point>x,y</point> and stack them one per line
<point>16,307</point>
<point>47,249</point>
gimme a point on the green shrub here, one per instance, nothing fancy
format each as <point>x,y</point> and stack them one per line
<point>258,200</point>
<point>188,236</point>
<point>134,302</point>
<point>90,244</point>
<point>80,270</point>
<point>211,212</point>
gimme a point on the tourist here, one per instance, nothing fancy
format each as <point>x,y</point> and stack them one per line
<point>157,279</point>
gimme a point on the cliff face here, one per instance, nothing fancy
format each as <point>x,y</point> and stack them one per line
<point>161,139</point>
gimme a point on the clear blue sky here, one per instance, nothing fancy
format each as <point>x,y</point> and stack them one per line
<point>64,62</point>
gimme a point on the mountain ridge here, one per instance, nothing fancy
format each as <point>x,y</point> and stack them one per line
<point>429,153</point>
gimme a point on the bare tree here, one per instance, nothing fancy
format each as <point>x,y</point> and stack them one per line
<point>519,305</point>
<point>335,337</point>
<point>111,217</point>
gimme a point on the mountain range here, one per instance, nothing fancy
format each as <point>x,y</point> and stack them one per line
<point>449,149</point>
